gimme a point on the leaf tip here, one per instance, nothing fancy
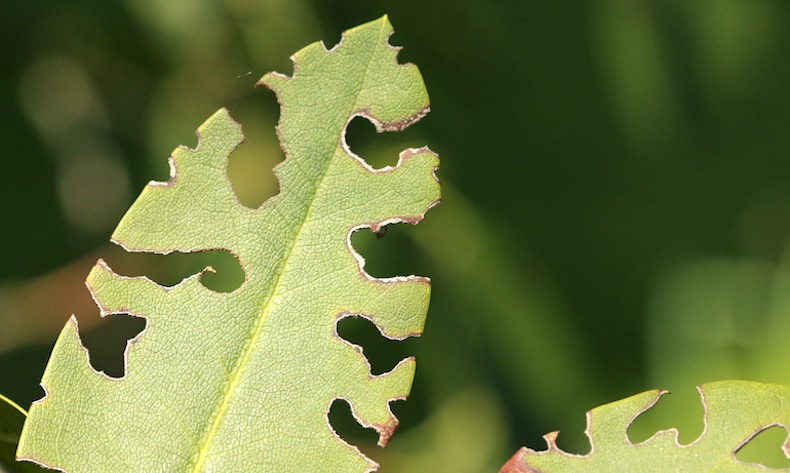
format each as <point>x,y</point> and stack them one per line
<point>386,430</point>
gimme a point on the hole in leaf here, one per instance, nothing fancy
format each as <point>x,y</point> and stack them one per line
<point>572,437</point>
<point>250,166</point>
<point>347,427</point>
<point>106,342</point>
<point>765,448</point>
<point>406,55</point>
<point>382,353</point>
<point>379,149</point>
<point>332,39</point>
<point>169,270</point>
<point>391,251</point>
<point>682,410</point>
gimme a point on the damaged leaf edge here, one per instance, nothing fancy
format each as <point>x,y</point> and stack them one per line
<point>518,462</point>
<point>384,431</point>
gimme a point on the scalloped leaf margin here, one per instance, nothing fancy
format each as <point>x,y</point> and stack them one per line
<point>242,381</point>
<point>735,412</point>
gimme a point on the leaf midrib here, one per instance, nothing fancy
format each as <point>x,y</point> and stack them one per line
<point>253,340</point>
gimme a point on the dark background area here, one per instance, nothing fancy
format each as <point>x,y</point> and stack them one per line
<point>615,175</point>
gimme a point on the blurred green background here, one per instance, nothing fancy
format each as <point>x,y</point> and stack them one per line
<point>616,181</point>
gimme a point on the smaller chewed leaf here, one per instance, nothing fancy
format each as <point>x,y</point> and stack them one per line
<point>735,412</point>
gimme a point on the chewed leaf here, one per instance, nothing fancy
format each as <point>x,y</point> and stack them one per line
<point>735,412</point>
<point>243,380</point>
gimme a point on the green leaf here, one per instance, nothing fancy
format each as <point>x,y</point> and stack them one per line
<point>242,381</point>
<point>735,412</point>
